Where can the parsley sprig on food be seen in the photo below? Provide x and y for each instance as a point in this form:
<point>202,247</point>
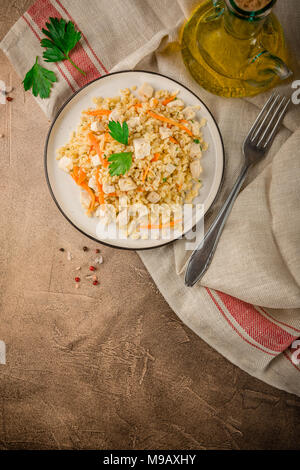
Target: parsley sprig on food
<point>118,132</point>
<point>63,37</point>
<point>40,80</point>
<point>120,163</point>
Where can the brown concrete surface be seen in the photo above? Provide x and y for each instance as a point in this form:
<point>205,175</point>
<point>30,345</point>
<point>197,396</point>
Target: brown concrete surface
<point>110,366</point>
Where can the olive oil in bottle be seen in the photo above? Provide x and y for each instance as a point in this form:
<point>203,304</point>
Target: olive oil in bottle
<point>234,52</point>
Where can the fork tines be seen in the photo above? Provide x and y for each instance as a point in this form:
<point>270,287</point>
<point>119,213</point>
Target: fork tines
<point>268,121</point>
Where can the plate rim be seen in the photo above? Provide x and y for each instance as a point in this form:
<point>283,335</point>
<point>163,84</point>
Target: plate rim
<point>46,152</point>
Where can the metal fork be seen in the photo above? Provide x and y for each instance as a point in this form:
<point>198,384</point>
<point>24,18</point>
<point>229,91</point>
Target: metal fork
<point>255,147</point>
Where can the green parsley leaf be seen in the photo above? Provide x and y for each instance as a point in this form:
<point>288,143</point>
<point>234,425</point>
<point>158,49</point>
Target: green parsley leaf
<point>164,180</point>
<point>120,163</point>
<point>118,132</point>
<point>197,141</point>
<point>63,37</point>
<point>40,80</point>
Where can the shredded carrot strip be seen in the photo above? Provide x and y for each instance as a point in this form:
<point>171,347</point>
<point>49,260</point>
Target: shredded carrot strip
<point>155,102</point>
<point>171,224</point>
<point>94,142</point>
<point>99,112</point>
<point>140,189</point>
<point>137,105</point>
<point>156,157</point>
<point>170,121</point>
<point>179,186</point>
<point>146,173</point>
<point>184,120</point>
<point>81,176</point>
<point>101,195</point>
<point>174,140</point>
<point>78,175</point>
<point>168,100</point>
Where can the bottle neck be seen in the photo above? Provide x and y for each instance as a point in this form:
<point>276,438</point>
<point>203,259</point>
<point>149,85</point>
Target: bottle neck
<point>243,25</point>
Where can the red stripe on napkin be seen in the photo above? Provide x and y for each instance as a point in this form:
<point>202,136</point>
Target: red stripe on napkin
<point>40,12</point>
<point>259,328</point>
<point>280,322</point>
<point>84,37</point>
<point>59,68</point>
<point>232,325</point>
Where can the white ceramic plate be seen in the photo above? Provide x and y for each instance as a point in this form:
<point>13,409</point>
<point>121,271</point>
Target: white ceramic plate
<point>66,194</point>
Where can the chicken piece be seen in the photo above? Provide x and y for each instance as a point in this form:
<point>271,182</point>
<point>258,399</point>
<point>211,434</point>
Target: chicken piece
<point>153,197</point>
<point>133,122</point>
<point>138,211</point>
<point>196,169</point>
<point>195,150</point>
<point>95,160</point>
<point>169,169</point>
<point>165,213</point>
<point>196,128</point>
<point>65,164</point>
<point>123,218</point>
<point>92,183</point>
<point>189,113</point>
<point>85,199</point>
<point>142,148</point>
<point>165,133</point>
<point>116,116</point>
<point>127,184</point>
<point>123,201</point>
<point>146,90</point>
<point>97,126</point>
<point>154,213</point>
<point>108,188</point>
<point>175,104</point>
<point>107,213</point>
<point>131,227</point>
<point>156,182</point>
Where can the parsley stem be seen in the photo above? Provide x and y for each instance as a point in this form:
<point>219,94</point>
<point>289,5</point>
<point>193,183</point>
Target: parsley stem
<point>76,67</point>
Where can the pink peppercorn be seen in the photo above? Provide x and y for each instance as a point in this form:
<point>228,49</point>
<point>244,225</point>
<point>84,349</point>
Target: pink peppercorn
<point>9,98</point>
<point>95,283</point>
<point>77,279</point>
<point>92,268</point>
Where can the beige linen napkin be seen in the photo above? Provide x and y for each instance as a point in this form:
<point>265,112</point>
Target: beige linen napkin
<point>248,304</point>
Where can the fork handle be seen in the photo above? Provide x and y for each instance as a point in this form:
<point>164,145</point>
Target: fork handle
<point>203,254</point>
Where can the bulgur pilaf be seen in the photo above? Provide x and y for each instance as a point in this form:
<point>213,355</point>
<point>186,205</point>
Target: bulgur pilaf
<point>137,151</point>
